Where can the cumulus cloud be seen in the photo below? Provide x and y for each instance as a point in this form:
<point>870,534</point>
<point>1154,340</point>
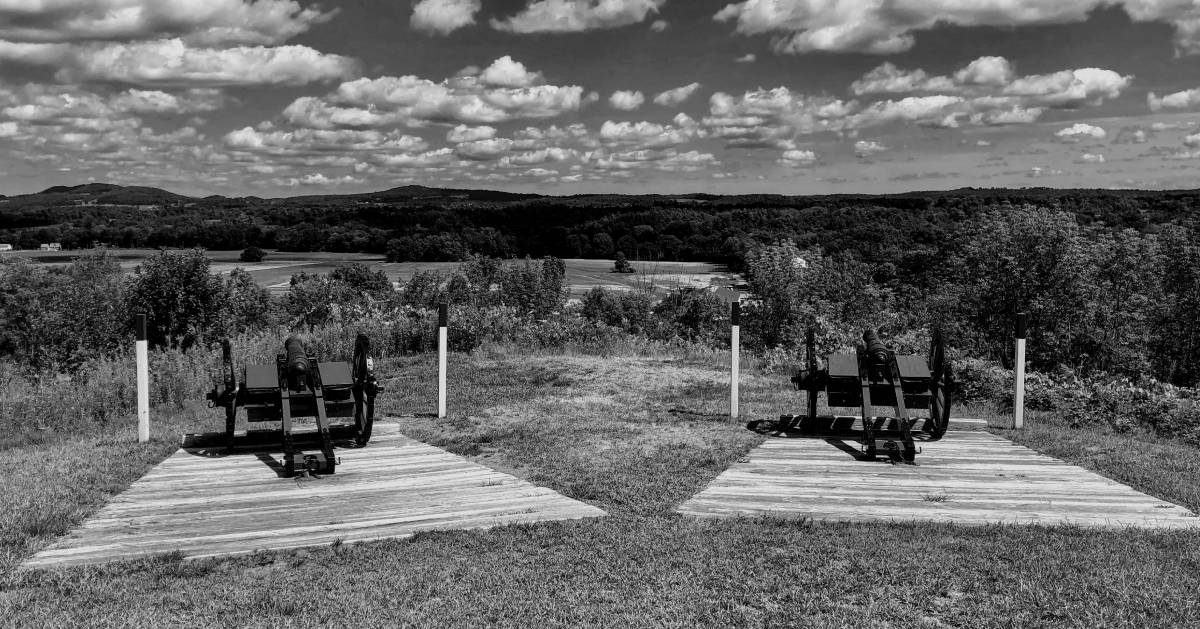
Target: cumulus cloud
<point>626,100</point>
<point>1185,99</point>
<point>1192,140</point>
<point>995,71</point>
<point>499,93</point>
<point>676,96</point>
<point>668,160</point>
<point>865,148</point>
<point>305,141</point>
<point>174,62</point>
<point>746,58</point>
<point>659,26</point>
<point>889,79</point>
<point>1070,88</point>
<point>796,157</point>
<point>887,27</point>
<point>484,150</point>
<point>425,160</point>
<point>1091,158</point>
<point>533,158</point>
<point>1080,131</point>
<point>573,16</point>
<point>504,72</point>
<point>206,22</point>
<point>647,134</point>
<point>317,179</point>
<point>443,16</point>
<point>160,102</point>
<point>105,129</point>
<point>994,76</point>
<point>463,133</point>
<point>929,110</point>
<point>984,92</point>
<point>988,92</point>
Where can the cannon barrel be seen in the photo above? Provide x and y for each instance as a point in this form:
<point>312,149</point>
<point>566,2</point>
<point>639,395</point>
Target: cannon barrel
<point>298,365</point>
<point>876,350</point>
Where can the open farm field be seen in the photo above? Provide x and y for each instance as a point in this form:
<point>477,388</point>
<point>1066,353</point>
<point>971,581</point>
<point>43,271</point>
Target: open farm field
<point>636,435</point>
<point>277,268</point>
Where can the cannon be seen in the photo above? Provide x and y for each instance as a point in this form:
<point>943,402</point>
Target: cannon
<point>872,377</point>
<point>297,385</point>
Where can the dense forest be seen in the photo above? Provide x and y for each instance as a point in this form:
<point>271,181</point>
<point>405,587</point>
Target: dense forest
<point>425,224</point>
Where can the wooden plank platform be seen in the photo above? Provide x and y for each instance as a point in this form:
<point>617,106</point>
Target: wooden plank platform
<point>204,505</point>
<point>968,477</point>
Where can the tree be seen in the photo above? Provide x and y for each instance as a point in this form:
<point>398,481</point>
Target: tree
<point>182,301</point>
<point>252,254</point>
<point>622,265</point>
<point>360,278</point>
<point>1175,340</point>
<point>248,305</point>
<point>798,289</point>
<point>1027,259</point>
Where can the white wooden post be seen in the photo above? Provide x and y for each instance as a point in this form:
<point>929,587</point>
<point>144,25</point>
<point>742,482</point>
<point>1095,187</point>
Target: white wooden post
<point>734,345</point>
<point>1022,326</point>
<point>442,360</point>
<point>143,379</point>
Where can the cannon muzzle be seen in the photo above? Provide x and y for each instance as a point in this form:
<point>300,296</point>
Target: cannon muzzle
<point>876,350</point>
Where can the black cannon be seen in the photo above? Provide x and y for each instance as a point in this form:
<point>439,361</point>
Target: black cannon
<point>296,386</point>
<point>871,377</point>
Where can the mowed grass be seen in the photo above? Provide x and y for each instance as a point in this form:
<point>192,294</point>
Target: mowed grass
<point>634,435</point>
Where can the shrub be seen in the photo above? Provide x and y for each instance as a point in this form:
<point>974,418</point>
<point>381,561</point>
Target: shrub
<point>981,381</point>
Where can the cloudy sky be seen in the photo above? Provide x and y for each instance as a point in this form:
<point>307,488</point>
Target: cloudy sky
<point>288,97</point>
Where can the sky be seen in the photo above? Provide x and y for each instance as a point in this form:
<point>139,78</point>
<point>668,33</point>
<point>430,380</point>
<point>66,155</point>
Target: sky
<point>288,97</point>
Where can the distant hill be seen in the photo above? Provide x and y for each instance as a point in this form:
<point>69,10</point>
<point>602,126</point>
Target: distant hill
<point>107,193</point>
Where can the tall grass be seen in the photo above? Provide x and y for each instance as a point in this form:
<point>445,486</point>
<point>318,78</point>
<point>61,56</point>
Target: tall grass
<point>39,406</point>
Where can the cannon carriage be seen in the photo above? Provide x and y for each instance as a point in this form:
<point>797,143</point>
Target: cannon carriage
<point>297,386</point>
<point>916,387</point>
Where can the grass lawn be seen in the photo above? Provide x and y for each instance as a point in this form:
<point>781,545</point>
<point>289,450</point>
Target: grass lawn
<point>634,435</point>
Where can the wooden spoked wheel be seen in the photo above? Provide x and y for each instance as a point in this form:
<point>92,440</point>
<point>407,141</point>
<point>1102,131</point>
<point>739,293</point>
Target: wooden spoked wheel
<point>364,413</point>
<point>940,389</point>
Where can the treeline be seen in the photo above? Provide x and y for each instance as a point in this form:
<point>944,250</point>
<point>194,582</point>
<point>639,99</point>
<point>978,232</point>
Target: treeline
<point>908,231</point>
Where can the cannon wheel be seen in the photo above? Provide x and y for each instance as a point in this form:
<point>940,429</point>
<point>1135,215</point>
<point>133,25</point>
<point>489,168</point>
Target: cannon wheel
<point>364,413</point>
<point>940,388</point>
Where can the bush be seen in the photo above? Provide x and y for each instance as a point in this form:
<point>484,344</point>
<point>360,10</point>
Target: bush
<point>981,381</point>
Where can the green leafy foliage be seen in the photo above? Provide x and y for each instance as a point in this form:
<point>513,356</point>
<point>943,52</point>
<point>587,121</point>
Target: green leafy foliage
<point>621,264</point>
<point>182,301</point>
<point>796,290</point>
<point>252,254</point>
<point>61,316</point>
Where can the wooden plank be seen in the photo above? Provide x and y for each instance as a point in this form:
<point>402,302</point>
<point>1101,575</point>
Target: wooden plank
<point>204,503</point>
<point>969,477</point>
